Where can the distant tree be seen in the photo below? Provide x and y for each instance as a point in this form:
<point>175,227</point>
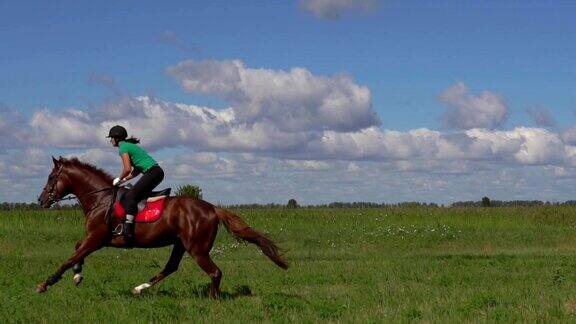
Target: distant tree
<point>292,204</point>
<point>189,190</point>
<point>486,202</point>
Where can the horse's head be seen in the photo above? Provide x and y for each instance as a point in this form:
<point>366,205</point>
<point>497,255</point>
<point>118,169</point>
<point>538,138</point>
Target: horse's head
<point>57,186</point>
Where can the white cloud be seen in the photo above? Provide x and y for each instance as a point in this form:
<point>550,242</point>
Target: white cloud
<point>527,145</point>
<point>157,123</point>
<point>264,179</point>
<point>305,165</point>
<point>25,164</point>
<point>333,9</point>
<point>465,111</point>
<point>201,165</point>
<point>287,133</point>
<point>106,158</point>
<point>66,130</point>
<point>161,124</point>
<point>516,164</point>
<point>522,145</point>
<point>294,100</point>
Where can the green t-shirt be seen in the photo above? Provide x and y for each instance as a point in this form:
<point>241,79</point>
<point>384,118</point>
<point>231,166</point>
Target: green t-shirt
<point>139,158</point>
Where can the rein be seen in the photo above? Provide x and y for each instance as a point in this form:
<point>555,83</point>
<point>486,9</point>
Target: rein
<point>107,216</point>
<point>82,195</point>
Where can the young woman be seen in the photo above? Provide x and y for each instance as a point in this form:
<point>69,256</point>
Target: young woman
<point>134,161</point>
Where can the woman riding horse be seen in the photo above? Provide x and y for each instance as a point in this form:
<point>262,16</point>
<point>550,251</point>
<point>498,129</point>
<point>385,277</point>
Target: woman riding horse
<point>134,161</point>
<point>188,224</point>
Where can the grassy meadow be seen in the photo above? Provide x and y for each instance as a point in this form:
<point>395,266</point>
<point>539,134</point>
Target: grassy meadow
<point>347,265</point>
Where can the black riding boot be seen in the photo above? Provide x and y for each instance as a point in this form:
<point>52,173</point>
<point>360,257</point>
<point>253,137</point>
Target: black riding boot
<point>129,229</point>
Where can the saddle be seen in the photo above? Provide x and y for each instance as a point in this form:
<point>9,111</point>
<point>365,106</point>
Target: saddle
<point>149,209</point>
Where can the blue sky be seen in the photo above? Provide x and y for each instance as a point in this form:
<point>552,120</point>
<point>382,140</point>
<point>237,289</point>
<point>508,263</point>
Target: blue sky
<point>69,55</point>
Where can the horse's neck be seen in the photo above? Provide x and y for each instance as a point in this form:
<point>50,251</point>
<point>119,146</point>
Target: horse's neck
<point>84,185</point>
<point>85,182</point>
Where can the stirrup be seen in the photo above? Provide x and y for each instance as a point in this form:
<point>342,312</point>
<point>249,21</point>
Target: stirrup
<point>119,230</point>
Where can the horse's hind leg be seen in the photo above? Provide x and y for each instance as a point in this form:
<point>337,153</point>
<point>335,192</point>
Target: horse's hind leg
<point>77,269</point>
<point>201,253</point>
<point>171,266</point>
<point>206,263</point>
<point>198,244</point>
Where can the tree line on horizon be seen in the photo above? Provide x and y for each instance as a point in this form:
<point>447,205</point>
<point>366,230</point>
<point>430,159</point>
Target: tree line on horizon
<point>359,204</point>
<point>194,191</point>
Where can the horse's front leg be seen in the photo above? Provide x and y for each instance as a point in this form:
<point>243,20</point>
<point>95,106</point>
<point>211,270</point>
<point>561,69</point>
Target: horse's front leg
<point>77,268</point>
<point>88,245</point>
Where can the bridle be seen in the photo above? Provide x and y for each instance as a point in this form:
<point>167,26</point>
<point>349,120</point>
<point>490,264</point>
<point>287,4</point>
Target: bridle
<point>51,194</point>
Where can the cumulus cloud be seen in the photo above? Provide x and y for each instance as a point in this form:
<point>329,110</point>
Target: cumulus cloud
<point>294,100</point>
<point>306,165</point>
<point>312,181</point>
<point>157,123</point>
<point>528,145</point>
<point>333,9</point>
<point>203,165</point>
<point>466,111</point>
<point>25,164</point>
<point>373,159</point>
<point>286,130</point>
<point>70,129</point>
<point>162,124</point>
<point>106,158</point>
<point>520,146</point>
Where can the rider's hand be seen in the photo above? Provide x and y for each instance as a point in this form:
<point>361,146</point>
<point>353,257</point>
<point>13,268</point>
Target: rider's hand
<point>116,182</point>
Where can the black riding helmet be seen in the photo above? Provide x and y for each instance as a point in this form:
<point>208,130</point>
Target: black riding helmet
<point>118,132</point>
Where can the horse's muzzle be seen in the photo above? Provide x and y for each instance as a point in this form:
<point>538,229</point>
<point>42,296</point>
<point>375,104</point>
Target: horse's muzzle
<point>45,202</point>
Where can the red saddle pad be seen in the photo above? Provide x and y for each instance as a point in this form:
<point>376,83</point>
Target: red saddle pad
<point>151,212</point>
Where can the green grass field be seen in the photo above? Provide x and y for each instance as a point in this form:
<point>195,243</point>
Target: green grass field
<point>347,265</point>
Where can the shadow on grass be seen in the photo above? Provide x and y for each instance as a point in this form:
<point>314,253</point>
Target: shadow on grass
<point>201,291</point>
<point>239,291</point>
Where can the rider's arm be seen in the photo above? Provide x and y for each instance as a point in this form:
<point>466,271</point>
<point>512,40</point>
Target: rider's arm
<point>133,174</point>
<point>126,166</point>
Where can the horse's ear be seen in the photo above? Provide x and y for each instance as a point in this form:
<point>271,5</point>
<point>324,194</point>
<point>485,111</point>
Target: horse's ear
<point>54,160</point>
<point>61,159</point>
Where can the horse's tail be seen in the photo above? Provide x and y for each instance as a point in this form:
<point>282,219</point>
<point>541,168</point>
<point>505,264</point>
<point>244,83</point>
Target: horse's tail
<point>238,227</point>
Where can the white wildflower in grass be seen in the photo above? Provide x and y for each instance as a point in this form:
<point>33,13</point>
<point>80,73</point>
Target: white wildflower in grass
<point>440,231</point>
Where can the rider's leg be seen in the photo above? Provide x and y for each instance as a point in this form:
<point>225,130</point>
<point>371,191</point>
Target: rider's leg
<point>139,191</point>
<point>130,204</point>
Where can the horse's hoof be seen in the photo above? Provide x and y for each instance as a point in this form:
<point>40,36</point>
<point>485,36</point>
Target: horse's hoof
<point>214,295</point>
<point>41,288</point>
<point>77,279</point>
<point>138,290</point>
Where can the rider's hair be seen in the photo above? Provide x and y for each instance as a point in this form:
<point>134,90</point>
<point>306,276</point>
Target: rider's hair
<point>133,140</point>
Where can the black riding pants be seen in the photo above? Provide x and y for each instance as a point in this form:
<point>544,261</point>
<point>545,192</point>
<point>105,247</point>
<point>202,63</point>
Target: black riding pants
<point>149,180</point>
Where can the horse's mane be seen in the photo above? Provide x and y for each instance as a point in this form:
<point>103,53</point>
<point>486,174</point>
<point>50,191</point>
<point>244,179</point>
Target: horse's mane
<point>87,166</point>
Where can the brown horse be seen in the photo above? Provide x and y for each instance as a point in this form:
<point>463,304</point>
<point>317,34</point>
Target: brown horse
<point>188,224</point>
